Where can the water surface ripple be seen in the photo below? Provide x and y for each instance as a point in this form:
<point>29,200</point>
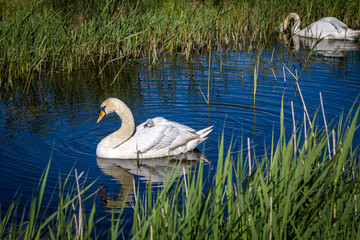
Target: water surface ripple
<point>57,120</point>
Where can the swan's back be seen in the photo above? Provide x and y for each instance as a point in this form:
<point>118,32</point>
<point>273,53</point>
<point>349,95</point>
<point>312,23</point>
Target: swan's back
<point>334,21</point>
<point>329,28</point>
<point>160,137</point>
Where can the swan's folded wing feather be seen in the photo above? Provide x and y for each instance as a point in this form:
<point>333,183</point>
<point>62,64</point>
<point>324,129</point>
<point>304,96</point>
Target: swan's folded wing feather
<point>166,137</point>
<point>179,126</point>
<point>333,22</point>
<point>148,138</point>
<point>338,25</point>
<point>179,136</point>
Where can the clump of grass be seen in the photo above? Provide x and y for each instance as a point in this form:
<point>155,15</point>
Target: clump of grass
<point>66,222</point>
<point>51,36</point>
<point>297,190</point>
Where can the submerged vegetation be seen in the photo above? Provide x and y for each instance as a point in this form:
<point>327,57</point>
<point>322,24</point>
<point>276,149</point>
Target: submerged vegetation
<point>306,186</point>
<point>48,36</point>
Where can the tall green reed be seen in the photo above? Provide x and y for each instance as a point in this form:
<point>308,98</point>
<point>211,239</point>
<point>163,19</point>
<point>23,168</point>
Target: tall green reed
<point>37,222</point>
<point>290,194</point>
<point>39,37</point>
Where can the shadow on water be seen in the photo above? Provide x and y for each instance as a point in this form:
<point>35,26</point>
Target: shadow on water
<point>152,171</point>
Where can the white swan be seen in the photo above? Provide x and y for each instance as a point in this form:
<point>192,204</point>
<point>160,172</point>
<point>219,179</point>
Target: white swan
<point>327,28</point>
<point>154,138</point>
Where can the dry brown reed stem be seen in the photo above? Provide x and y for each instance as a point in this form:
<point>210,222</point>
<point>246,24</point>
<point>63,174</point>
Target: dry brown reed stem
<point>296,76</point>
<point>122,66</point>
<point>274,74</point>
<point>151,232</point>
<point>326,127</point>
<point>284,74</point>
<point>305,109</point>
<point>249,155</point>
<point>206,100</point>
<point>294,126</point>
<point>186,188</point>
<point>163,212</point>
<point>355,205</point>
<point>79,226</point>
<point>134,190</point>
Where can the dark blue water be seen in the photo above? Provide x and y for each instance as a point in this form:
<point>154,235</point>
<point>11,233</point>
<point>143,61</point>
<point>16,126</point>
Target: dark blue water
<point>57,119</point>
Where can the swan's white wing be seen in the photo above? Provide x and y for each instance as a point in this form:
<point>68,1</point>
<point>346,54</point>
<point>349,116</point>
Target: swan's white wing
<point>319,29</point>
<point>180,127</point>
<point>164,135</point>
<point>335,23</point>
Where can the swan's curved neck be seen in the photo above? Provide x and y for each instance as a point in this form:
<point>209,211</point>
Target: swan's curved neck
<point>285,25</point>
<point>125,131</point>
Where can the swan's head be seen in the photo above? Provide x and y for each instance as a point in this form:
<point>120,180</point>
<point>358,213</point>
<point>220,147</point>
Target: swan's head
<point>109,106</point>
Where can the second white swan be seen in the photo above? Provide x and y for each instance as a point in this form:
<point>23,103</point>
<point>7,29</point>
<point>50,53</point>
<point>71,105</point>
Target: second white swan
<point>157,137</point>
<point>327,28</point>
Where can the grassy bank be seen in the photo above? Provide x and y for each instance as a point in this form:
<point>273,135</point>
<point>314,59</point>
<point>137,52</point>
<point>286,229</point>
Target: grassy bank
<point>306,186</point>
<point>49,36</point>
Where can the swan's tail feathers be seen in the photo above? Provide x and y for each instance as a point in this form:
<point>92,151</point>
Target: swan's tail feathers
<point>352,35</point>
<point>204,132</point>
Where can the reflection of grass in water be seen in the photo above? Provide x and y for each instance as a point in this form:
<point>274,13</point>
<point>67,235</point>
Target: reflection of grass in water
<point>299,190</point>
<point>50,36</point>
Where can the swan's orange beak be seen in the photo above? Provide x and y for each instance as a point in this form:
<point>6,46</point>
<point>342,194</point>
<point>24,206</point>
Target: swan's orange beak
<point>101,116</point>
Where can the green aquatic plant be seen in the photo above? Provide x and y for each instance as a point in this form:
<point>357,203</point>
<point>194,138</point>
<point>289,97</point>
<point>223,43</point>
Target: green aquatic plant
<point>37,222</point>
<point>46,37</point>
<point>295,191</point>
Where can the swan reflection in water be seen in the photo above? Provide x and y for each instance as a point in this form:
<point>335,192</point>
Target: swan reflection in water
<point>153,171</point>
<point>325,47</point>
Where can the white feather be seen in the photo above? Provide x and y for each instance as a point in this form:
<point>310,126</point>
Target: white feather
<point>327,28</point>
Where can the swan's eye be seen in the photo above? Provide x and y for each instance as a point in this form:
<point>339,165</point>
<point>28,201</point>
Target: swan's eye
<point>102,109</point>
